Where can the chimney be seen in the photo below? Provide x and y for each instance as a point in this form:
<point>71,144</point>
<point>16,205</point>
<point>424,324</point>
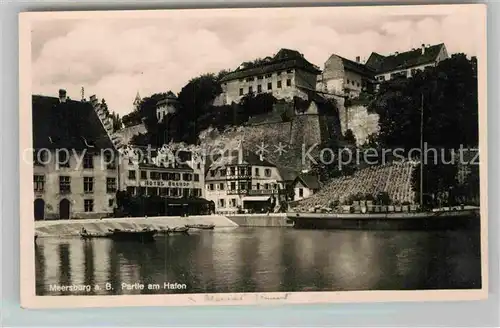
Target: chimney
<point>62,95</point>
<point>358,59</point>
<point>423,49</point>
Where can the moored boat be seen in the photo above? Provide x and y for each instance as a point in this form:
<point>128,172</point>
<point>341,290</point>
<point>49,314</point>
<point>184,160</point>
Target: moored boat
<point>201,226</point>
<point>450,219</point>
<point>87,235</point>
<point>179,230</point>
<point>141,236</point>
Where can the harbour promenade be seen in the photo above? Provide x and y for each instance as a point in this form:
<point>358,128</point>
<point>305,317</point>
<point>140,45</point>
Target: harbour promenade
<point>73,227</point>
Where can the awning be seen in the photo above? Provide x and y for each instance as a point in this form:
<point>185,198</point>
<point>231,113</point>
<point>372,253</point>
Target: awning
<point>256,198</point>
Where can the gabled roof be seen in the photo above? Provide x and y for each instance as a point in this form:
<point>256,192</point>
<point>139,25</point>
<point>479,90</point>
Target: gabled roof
<point>357,67</point>
<point>384,64</point>
<point>309,180</point>
<point>283,60</point>
<point>288,174</point>
<point>70,125</point>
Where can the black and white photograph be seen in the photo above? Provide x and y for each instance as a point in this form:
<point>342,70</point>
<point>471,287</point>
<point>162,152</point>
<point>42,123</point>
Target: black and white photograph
<point>253,155</point>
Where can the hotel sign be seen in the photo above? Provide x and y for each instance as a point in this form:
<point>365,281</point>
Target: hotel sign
<point>161,183</point>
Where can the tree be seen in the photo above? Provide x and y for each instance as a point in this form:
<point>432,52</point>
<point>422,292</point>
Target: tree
<point>448,95</point>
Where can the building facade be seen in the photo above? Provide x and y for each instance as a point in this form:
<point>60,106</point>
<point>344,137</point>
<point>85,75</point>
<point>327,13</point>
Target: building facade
<point>76,171</point>
<point>305,185</point>
<point>243,182</point>
<point>150,173</point>
<point>285,76</point>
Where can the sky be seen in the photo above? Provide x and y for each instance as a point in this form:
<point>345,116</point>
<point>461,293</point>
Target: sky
<point>115,55</point>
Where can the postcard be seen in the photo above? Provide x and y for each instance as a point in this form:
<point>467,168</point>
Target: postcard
<point>253,156</point>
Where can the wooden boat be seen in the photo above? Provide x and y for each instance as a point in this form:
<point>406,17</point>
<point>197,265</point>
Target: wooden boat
<point>87,235</point>
<point>143,236</point>
<point>179,230</point>
<point>201,226</point>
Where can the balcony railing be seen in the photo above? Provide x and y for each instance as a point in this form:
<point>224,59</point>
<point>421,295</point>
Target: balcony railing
<point>237,192</point>
<point>259,192</point>
<point>238,176</point>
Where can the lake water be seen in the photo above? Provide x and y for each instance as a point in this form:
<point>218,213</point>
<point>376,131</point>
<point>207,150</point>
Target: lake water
<point>261,260</point>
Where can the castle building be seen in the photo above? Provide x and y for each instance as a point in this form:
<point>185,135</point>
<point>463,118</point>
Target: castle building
<point>75,164</point>
<point>242,181</point>
<point>167,105</point>
<point>285,75</point>
<point>406,64</point>
<point>345,78</point>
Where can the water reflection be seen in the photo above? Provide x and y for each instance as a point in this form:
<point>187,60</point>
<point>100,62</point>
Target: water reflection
<point>262,259</point>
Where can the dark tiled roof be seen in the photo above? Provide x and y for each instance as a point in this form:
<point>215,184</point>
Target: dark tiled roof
<point>358,67</point>
<point>283,60</point>
<point>383,64</point>
<point>69,125</point>
<point>309,180</point>
<point>288,174</point>
<point>170,96</point>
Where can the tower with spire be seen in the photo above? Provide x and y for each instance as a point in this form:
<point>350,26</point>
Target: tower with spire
<point>137,101</point>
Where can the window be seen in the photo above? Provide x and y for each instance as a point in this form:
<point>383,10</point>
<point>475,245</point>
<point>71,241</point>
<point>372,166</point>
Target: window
<point>267,172</point>
<point>187,177</point>
<point>185,192</point>
<point>269,86</point>
<point>257,172</point>
<point>88,185</point>
<point>279,85</point>
<point>221,186</point>
<point>63,159</point>
<point>301,192</point>
<point>269,75</point>
<point>222,203</point>
<point>144,175</point>
<point>348,81</point>
<point>39,158</point>
<point>88,161</point>
<point>196,177</point>
<point>131,190</point>
<point>242,171</point>
<point>64,184</point>
<point>223,172</point>
<point>289,71</point>
<point>260,77</point>
<point>250,89</point>
<point>131,175</point>
<point>288,82</point>
<point>111,202</point>
<point>212,173</point>
<point>358,84</point>
<point>177,177</point>
<point>233,186</point>
<point>241,91</point>
<point>233,202</point>
<point>142,190</point>
<point>154,175</point>
<point>233,170</point>
<point>279,73</point>
<point>211,187</point>
<point>259,88</point>
<point>164,176</point>
<point>266,186</point>
<point>352,82</point>
<point>88,205</point>
<point>163,192</point>
<point>243,185</point>
<point>110,185</point>
<point>111,165</point>
<point>257,186</point>
<point>198,166</point>
<point>39,182</point>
